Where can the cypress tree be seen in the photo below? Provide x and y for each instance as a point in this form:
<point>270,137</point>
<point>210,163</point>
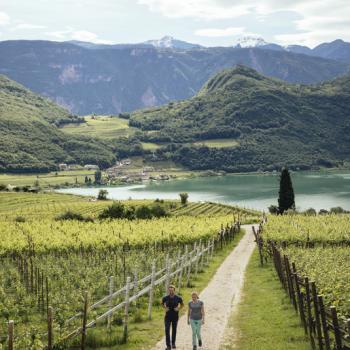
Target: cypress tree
<point>286,198</point>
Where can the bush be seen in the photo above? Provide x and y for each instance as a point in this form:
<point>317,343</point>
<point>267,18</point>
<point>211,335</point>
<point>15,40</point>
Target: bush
<point>337,210</point>
<point>273,209</point>
<point>310,212</point>
<point>102,195</point>
<point>3,187</point>
<point>20,219</point>
<point>115,211</point>
<point>143,212</point>
<point>184,198</point>
<point>70,215</point>
<point>323,212</point>
<point>158,211</point>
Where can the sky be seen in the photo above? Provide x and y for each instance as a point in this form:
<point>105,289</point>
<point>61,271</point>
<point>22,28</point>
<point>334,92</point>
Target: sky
<point>206,22</point>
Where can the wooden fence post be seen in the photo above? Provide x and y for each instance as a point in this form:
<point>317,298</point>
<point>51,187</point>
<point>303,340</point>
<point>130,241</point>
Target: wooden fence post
<point>110,301</point>
<point>196,251</point>
<point>317,315</point>
<point>291,284</point>
<point>309,312</point>
<point>49,328</point>
<point>136,285</point>
<point>166,284</point>
<point>300,301</point>
<point>189,268</point>
<point>167,280</point>
<point>208,253</point>
<point>202,255</point>
<point>182,264</point>
<point>10,334</point>
<point>212,248</point>
<point>324,322</point>
<point>126,310</point>
<point>85,312</point>
<point>337,333</point>
<point>150,300</point>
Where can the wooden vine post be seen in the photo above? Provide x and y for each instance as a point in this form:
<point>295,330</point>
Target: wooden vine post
<point>151,291</point>
<point>317,315</point>
<point>49,328</point>
<point>110,301</point>
<point>85,313</point>
<point>126,310</point>
<point>10,334</point>
<point>324,322</point>
<point>337,332</point>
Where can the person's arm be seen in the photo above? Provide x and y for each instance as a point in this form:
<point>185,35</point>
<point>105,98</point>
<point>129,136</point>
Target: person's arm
<point>203,314</point>
<point>164,304</point>
<point>180,305</point>
<point>188,314</point>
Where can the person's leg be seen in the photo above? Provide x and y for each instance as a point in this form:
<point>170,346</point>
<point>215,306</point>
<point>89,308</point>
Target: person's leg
<point>173,333</point>
<point>194,332</point>
<point>167,332</point>
<point>199,335</point>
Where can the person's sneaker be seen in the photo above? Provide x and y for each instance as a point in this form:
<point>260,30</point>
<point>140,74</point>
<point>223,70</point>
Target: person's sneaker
<point>200,342</point>
<point>194,347</point>
<point>168,348</point>
<point>173,346</point>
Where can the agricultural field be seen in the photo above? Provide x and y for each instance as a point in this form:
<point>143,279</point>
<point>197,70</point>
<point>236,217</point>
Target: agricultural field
<point>218,143</point>
<point>45,261</point>
<point>108,127</point>
<point>47,180</point>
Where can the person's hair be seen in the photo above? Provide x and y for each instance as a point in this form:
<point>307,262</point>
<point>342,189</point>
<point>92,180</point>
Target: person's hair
<point>172,286</point>
<point>195,294</point>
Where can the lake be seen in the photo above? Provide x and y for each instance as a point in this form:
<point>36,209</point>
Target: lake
<point>313,189</point>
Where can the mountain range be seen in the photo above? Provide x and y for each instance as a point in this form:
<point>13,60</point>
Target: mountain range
<point>108,79</point>
<point>273,123</point>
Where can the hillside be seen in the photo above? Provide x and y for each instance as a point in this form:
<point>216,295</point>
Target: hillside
<point>30,139</point>
<point>114,79</point>
<point>274,124</point>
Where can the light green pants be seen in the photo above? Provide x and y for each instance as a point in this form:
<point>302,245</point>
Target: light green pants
<point>196,331</point>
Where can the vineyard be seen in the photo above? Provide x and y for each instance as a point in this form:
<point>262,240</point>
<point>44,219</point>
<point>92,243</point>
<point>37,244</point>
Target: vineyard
<point>48,264</point>
<point>49,205</point>
<point>312,258</point>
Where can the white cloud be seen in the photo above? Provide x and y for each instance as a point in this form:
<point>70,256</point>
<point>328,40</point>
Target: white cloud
<point>80,35</point>
<point>4,19</point>
<point>217,32</point>
<point>21,26</point>
<point>318,20</point>
<point>84,35</point>
<point>204,9</point>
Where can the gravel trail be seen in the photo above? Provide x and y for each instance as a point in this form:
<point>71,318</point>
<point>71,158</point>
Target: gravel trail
<point>219,297</point>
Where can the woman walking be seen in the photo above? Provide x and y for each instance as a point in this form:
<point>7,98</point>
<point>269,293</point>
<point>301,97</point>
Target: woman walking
<point>195,318</point>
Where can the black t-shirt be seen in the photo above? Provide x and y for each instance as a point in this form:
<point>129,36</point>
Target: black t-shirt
<point>172,303</point>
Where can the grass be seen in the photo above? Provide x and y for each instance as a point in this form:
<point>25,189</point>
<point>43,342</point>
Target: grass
<point>265,319</point>
<point>48,179</point>
<point>218,143</point>
<point>149,146</point>
<point>143,335</point>
<point>101,126</point>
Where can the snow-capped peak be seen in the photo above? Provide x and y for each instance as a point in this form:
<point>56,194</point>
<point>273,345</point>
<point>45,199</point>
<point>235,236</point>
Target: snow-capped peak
<point>170,42</point>
<point>250,41</point>
<point>166,41</point>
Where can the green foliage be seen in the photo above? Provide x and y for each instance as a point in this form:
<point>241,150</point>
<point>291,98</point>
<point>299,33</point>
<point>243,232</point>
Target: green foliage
<point>30,140</point>
<point>275,124</point>
<point>115,211</point>
<point>143,212</point>
<point>102,195</point>
<point>183,197</point>
<point>286,199</point>
<point>70,215</point>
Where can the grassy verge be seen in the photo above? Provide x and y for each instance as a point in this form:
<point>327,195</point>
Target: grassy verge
<point>265,319</point>
<point>144,334</point>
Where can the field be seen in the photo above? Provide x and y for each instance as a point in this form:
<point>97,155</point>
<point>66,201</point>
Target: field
<point>316,249</point>
<point>52,179</point>
<point>101,126</point>
<point>49,262</point>
<point>218,143</point>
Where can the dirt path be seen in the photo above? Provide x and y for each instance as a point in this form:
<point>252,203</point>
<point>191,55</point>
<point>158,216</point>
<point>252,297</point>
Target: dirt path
<point>219,296</point>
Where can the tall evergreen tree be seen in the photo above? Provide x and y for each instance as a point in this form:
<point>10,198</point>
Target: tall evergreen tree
<point>286,198</point>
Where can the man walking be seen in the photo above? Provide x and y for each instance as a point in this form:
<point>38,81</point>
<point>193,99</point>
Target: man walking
<point>172,303</point>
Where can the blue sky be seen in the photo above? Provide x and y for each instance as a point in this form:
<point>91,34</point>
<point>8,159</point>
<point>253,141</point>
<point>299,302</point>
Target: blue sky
<point>207,22</point>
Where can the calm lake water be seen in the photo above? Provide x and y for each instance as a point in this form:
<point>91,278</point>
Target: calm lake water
<point>313,189</point>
